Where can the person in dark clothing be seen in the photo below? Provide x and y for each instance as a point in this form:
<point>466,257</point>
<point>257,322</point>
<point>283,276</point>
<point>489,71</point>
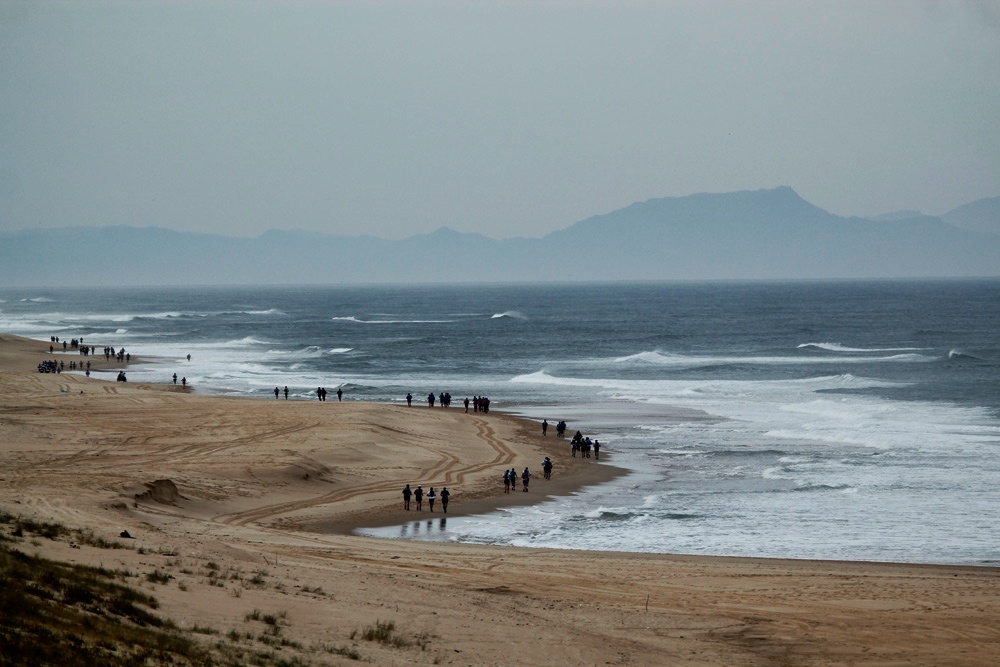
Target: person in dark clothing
<point>445,494</point>
<point>406,497</point>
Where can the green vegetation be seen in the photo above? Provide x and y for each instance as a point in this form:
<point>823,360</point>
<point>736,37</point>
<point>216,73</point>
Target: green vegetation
<point>384,633</point>
<point>57,613</point>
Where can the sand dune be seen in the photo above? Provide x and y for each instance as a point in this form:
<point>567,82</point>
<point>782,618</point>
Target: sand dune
<point>267,491</point>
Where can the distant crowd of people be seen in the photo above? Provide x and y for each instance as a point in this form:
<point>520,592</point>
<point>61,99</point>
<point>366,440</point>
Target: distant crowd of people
<point>478,403</point>
<point>110,354</point>
<point>88,350</point>
<point>51,366</point>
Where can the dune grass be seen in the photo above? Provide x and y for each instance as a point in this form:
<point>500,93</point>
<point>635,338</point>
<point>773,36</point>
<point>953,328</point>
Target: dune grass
<point>70,615</point>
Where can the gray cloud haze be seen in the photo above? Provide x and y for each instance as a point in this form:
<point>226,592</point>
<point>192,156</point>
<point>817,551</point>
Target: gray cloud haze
<point>509,119</point>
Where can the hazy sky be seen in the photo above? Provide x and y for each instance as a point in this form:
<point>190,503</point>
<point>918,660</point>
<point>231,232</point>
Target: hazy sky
<point>507,118</point>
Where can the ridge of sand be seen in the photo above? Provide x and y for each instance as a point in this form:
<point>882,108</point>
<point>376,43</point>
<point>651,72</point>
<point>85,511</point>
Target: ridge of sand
<point>266,491</point>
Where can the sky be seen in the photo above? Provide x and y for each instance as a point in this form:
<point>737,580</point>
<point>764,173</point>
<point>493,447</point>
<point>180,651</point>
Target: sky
<point>503,118</point>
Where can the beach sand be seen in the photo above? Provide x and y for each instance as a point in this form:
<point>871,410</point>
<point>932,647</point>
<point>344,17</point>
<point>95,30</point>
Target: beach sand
<point>248,505</point>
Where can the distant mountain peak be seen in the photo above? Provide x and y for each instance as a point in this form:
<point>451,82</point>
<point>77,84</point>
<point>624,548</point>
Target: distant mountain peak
<point>982,215</point>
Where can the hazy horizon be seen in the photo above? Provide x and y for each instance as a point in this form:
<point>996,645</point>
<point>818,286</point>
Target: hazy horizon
<point>507,119</point>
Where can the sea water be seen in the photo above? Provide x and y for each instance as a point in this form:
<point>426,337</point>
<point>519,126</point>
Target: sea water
<point>845,420</point>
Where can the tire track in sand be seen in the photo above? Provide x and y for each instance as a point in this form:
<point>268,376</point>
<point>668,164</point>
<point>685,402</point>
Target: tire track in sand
<point>449,468</point>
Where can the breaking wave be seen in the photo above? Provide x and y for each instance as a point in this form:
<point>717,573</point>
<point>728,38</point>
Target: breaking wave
<point>351,318</point>
<point>837,347</point>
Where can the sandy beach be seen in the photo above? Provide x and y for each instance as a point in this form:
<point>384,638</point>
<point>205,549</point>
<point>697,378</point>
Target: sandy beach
<point>268,491</point>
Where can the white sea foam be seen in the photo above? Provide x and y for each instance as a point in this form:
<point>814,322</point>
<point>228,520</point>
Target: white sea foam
<point>837,347</point>
<point>244,342</point>
<point>310,352</point>
<point>512,314</point>
<point>351,318</point>
<point>692,361</point>
<point>269,311</point>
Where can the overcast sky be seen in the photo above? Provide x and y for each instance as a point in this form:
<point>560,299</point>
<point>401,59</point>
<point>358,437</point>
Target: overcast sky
<point>506,118</point>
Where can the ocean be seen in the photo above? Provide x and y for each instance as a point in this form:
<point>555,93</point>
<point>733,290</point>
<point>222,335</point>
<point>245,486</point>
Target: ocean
<point>822,420</point>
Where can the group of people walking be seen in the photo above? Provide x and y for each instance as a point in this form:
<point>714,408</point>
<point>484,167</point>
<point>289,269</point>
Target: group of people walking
<point>320,393</point>
<point>579,443</point>
<point>510,478</point>
<point>478,403</point>
<point>85,350</point>
<point>582,444</point>
<point>418,496</point>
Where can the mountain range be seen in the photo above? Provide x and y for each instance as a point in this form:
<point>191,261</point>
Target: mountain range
<point>769,234</point>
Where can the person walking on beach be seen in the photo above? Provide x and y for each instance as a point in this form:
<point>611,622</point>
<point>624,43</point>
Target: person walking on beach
<point>430,400</point>
<point>525,478</point>
<point>506,481</point>
<point>286,392</point>
<point>561,429</point>
<point>409,399</point>
<point>419,496</point>
<point>175,378</point>
<point>406,497</point>
<point>340,394</point>
<point>597,449</point>
<point>430,498</point>
<point>545,426</point>
<point>547,468</point>
<point>445,493</point>
<point>276,392</point>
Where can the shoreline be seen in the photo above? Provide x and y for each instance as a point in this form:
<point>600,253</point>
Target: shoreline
<point>18,354</point>
<point>483,502</point>
<point>222,496</point>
